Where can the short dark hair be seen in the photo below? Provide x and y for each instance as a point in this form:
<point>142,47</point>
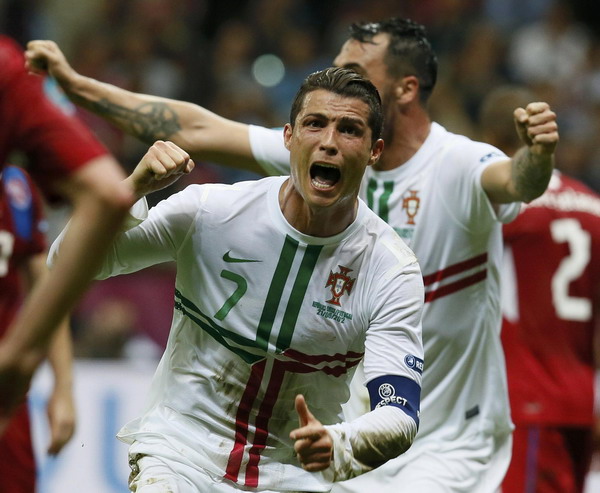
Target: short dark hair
<point>409,51</point>
<point>347,83</point>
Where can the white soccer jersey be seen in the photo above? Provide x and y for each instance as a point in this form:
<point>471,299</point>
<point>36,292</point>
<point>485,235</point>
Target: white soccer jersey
<point>436,203</point>
<point>263,313</point>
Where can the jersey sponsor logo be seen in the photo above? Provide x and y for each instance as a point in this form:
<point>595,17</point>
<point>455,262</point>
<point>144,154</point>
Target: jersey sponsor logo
<point>339,283</point>
<point>414,363</point>
<point>411,204</point>
<point>228,258</point>
<point>490,155</point>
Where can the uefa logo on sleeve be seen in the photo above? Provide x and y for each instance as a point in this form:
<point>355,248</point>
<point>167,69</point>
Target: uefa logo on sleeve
<point>386,391</point>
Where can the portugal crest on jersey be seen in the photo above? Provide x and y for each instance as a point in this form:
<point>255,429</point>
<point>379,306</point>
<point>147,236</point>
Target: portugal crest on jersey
<point>411,205</point>
<point>339,284</point>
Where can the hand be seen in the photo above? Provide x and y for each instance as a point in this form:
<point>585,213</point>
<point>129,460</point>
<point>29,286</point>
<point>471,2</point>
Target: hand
<point>45,56</point>
<point>314,446</point>
<point>537,127</point>
<point>161,166</point>
<point>61,416</point>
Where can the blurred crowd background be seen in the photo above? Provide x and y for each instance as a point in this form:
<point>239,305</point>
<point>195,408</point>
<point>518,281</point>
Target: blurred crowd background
<point>245,59</point>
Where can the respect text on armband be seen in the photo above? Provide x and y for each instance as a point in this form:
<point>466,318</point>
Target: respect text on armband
<point>387,393</point>
<point>396,391</point>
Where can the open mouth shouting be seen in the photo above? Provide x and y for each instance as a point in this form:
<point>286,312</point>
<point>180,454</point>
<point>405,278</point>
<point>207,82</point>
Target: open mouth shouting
<point>324,176</point>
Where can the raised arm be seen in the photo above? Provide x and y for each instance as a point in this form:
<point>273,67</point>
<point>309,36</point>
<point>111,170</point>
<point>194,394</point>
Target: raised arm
<point>203,134</point>
<point>526,176</point>
<point>162,165</point>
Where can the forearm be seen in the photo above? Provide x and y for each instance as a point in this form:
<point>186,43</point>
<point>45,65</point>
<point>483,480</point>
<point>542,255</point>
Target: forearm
<point>146,117</point>
<point>60,354</point>
<point>197,130</point>
<point>531,172</point>
<point>100,202</point>
<point>60,357</point>
<point>369,441</point>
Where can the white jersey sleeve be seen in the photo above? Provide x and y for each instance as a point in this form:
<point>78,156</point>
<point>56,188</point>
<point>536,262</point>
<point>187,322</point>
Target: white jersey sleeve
<point>153,236</point>
<point>269,150</point>
<point>396,308</point>
<point>157,238</point>
<point>470,204</point>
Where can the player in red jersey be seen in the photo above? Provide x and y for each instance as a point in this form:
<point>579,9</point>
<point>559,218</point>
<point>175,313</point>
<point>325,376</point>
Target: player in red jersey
<point>66,161</point>
<point>551,284</point>
<point>22,262</point>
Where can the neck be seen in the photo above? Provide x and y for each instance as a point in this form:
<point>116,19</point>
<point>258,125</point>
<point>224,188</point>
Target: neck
<point>315,221</point>
<point>404,136</point>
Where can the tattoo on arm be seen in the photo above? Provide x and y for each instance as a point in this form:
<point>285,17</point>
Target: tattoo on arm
<point>531,173</point>
<point>149,122</point>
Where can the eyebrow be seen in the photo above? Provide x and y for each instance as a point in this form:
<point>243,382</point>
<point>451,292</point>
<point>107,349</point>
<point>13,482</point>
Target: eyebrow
<point>343,119</point>
<point>353,120</point>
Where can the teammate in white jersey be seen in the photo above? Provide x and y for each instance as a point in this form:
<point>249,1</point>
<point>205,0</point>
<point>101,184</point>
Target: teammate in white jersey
<point>443,193</point>
<point>283,286</point>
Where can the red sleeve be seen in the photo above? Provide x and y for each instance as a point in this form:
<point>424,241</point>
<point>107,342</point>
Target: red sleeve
<point>56,144</point>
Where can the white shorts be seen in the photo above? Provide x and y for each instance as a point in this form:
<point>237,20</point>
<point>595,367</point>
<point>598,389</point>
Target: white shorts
<point>150,474</point>
<point>468,469</point>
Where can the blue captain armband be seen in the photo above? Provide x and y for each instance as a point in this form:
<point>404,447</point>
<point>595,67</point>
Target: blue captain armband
<point>397,391</point>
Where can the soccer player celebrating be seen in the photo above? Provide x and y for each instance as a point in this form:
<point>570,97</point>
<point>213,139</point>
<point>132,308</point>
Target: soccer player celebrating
<point>283,286</point>
<point>445,194</point>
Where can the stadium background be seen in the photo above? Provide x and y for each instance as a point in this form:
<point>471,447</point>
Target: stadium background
<point>244,59</point>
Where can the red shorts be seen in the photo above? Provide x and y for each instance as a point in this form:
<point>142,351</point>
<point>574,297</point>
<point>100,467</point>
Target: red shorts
<point>549,460</point>
<point>17,461</point>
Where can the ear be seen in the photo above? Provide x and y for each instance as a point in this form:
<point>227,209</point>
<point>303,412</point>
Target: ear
<point>287,135</point>
<point>407,89</point>
<point>376,152</point>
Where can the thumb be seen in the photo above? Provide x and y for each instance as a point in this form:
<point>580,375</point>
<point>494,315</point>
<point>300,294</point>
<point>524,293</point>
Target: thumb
<point>521,118</point>
<point>520,115</point>
<point>304,415</point>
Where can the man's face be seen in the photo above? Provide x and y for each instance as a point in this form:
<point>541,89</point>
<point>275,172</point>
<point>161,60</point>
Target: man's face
<point>367,59</point>
<point>330,147</point>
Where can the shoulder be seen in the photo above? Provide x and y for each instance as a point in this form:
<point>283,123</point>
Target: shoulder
<point>222,198</point>
<point>389,249</point>
<point>567,182</point>
<point>10,50</point>
<point>241,188</point>
<point>268,149</point>
<point>463,149</point>
<point>11,59</point>
<point>569,195</point>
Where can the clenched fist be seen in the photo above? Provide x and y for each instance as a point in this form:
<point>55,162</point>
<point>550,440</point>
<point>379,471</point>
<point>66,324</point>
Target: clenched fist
<point>161,166</point>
